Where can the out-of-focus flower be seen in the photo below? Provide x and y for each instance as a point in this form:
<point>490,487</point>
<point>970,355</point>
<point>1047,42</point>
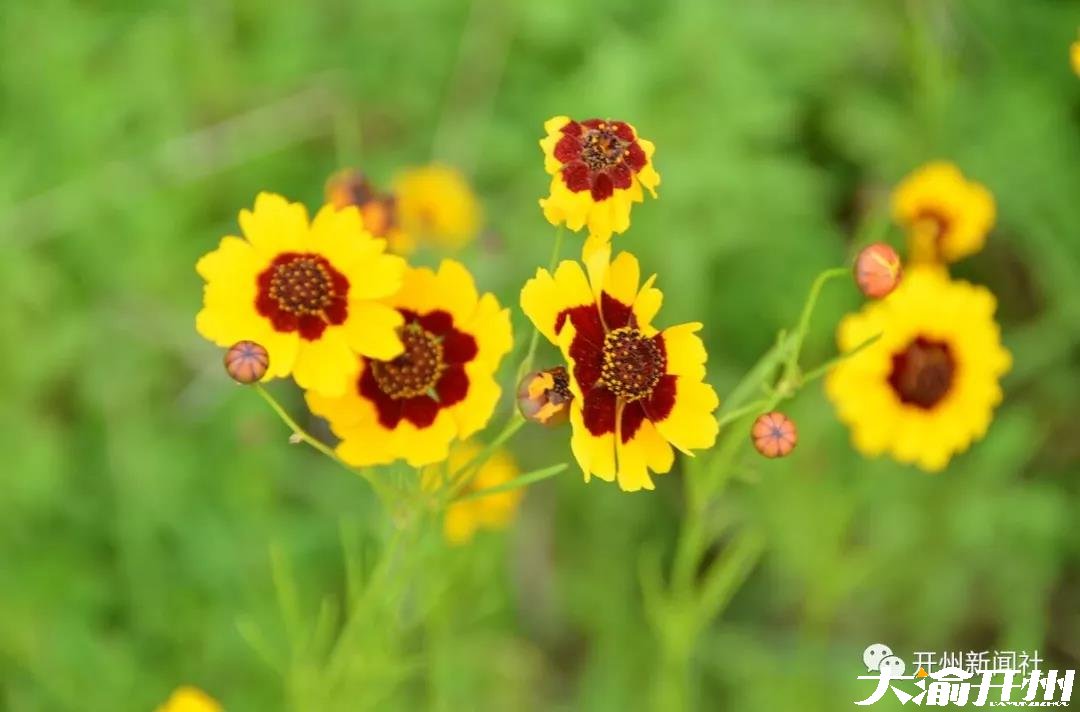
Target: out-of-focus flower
<point>495,511</point>
<point>306,292</point>
<point>598,170</point>
<point>544,397</point>
<point>246,362</point>
<point>774,434</point>
<point>928,387</point>
<point>637,391</point>
<point>190,699</point>
<point>947,217</point>
<point>1074,56</point>
<point>442,387</point>
<point>436,204</point>
<point>877,270</point>
<point>378,210</point>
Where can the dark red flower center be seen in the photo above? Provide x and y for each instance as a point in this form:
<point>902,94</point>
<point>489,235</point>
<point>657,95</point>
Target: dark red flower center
<point>599,156</point>
<point>302,292</point>
<point>427,377</point>
<point>619,369</point>
<point>416,371</point>
<point>922,373</point>
<point>632,364</point>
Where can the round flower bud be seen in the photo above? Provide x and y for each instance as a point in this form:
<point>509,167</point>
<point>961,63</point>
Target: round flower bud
<point>774,434</point>
<point>246,362</point>
<point>544,396</point>
<point>877,270</point>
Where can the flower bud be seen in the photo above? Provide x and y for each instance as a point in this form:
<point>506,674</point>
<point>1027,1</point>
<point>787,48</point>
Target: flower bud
<point>246,362</point>
<point>877,270</point>
<point>774,434</point>
<point>544,396</point>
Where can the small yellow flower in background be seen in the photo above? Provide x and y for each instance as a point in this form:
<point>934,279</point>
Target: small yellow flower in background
<point>1074,56</point>
<point>436,204</point>
<point>495,511</point>
<point>598,169</point>
<point>928,387</point>
<point>190,699</point>
<point>947,217</point>
<point>637,391</point>
<point>440,389</point>
<point>378,210</point>
<point>306,292</point>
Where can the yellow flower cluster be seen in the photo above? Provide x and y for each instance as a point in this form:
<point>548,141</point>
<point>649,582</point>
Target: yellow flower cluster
<point>401,360</point>
<point>927,388</point>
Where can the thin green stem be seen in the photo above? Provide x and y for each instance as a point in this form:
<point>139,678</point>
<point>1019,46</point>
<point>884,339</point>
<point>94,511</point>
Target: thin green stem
<point>459,479</point>
<point>804,319</point>
<point>313,441</point>
<point>824,368</point>
<point>516,483</point>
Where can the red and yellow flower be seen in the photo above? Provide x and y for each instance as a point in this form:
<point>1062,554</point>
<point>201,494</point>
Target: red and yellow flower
<point>441,388</point>
<point>947,217</point>
<point>307,292</point>
<point>637,391</point>
<point>598,170</point>
<point>928,387</point>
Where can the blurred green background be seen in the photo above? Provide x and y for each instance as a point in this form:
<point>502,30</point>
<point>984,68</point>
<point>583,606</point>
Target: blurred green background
<point>155,526</point>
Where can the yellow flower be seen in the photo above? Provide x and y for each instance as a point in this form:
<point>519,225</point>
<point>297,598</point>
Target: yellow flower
<point>190,699</point>
<point>598,169</point>
<point>927,389</point>
<point>1074,56</point>
<point>464,518</point>
<point>435,203</point>
<point>306,292</point>
<point>378,210</point>
<point>947,217</point>
<point>440,389</point>
<point>637,391</point>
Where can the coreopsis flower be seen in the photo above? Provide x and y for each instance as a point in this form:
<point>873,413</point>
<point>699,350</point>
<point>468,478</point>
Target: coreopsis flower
<point>947,217</point>
<point>464,518</point>
<point>1074,56</point>
<point>440,389</point>
<point>436,204</point>
<point>598,170</point>
<point>307,292</point>
<point>928,387</point>
<point>190,699</point>
<point>637,391</point>
<point>378,210</point>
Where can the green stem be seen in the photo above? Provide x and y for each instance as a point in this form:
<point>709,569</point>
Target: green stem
<point>792,365</point>
<point>516,483</point>
<point>824,368</point>
<point>313,441</point>
<point>461,478</point>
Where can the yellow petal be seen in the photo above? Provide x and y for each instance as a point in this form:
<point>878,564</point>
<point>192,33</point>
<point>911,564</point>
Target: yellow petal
<point>326,365</point>
<point>372,330</point>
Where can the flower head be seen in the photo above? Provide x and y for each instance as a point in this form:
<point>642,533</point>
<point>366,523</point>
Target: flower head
<point>464,518</point>
<point>189,699</point>
<point>928,387</point>
<point>1074,56</point>
<point>436,204</point>
<point>947,217</point>
<point>378,210</point>
<point>637,391</point>
<point>598,169</point>
<point>305,291</point>
<point>441,388</point>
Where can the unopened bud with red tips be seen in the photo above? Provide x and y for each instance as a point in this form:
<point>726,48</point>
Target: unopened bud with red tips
<point>246,362</point>
<point>544,396</point>
<point>774,434</point>
<point>877,270</point>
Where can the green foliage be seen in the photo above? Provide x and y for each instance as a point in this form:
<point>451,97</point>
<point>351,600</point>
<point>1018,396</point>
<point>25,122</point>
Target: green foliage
<point>157,529</point>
